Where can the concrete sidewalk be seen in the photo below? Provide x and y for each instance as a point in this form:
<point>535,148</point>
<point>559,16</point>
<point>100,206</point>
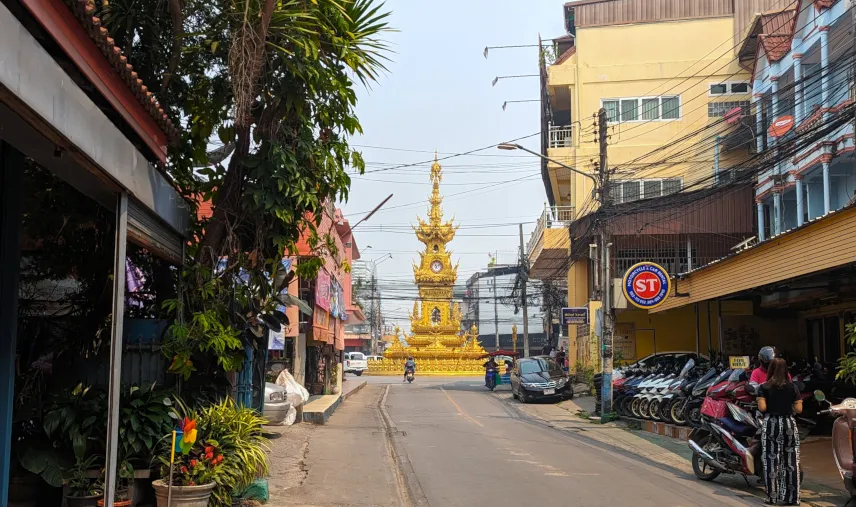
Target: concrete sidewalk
<point>572,415</point>
<point>319,408</point>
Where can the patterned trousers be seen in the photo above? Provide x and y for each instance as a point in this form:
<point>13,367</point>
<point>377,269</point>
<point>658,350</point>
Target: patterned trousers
<point>781,453</point>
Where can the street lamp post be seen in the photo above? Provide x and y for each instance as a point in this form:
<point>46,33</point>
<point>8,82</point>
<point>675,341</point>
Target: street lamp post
<point>601,186</point>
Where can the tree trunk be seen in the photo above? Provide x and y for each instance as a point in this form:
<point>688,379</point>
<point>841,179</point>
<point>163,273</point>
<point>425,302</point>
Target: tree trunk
<point>227,204</point>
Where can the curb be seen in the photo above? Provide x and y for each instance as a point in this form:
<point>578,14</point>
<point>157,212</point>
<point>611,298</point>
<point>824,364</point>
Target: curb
<point>321,417</point>
<point>354,390</point>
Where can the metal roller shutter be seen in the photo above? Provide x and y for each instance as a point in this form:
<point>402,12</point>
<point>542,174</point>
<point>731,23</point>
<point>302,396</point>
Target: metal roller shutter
<point>149,232</point>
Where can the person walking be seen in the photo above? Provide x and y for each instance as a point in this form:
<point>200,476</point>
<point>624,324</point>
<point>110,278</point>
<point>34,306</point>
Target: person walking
<point>779,399</point>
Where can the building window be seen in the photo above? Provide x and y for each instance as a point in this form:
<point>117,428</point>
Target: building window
<point>642,109</point>
<point>633,190</point>
<point>731,88</point>
<point>718,109</point>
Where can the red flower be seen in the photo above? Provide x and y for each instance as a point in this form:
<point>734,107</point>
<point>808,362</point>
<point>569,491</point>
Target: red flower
<point>209,449</point>
<point>191,483</point>
<point>193,463</point>
<point>209,455</point>
<point>220,458</point>
<point>184,469</point>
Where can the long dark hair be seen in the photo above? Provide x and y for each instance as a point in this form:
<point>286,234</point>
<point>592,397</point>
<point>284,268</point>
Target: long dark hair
<point>777,373</point>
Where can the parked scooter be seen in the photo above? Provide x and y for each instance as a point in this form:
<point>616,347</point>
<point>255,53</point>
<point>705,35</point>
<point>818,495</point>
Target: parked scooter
<point>843,437</point>
<point>728,444</point>
<point>699,393</point>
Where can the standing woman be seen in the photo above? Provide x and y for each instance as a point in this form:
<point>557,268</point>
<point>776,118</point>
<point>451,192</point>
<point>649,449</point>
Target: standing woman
<point>780,399</point>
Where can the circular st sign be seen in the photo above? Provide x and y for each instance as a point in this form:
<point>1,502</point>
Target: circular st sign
<point>646,285</point>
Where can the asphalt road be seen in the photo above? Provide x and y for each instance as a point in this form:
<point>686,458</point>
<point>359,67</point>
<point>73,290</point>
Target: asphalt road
<point>448,443</point>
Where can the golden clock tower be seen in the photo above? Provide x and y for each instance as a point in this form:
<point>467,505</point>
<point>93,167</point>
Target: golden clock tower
<point>436,342</point>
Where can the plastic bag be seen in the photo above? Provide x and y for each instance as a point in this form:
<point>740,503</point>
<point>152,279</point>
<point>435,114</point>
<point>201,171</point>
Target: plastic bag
<point>290,416</point>
<point>292,387</point>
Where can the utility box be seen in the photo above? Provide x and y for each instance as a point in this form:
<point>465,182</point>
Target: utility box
<point>619,302</point>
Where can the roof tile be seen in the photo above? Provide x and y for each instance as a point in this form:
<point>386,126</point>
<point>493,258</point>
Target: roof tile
<point>83,9</point>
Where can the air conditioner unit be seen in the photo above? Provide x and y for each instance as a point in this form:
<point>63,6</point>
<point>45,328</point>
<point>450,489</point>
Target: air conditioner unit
<point>619,301</point>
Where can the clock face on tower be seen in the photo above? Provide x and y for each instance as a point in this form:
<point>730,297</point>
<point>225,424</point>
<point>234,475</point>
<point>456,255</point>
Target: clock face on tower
<point>436,266</point>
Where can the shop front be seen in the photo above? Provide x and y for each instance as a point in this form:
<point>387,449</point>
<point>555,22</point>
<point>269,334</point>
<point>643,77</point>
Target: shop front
<point>90,232</point>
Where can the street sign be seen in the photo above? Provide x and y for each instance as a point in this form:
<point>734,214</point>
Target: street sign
<point>781,126</point>
<point>577,315</point>
<point>738,362</point>
<point>646,285</point>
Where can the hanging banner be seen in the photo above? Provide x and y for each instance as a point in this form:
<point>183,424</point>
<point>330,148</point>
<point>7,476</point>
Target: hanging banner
<point>322,290</point>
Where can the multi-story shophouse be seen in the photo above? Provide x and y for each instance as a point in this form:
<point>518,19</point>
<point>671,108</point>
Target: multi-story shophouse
<point>319,340</point>
<point>676,88</point>
<point>795,287</point>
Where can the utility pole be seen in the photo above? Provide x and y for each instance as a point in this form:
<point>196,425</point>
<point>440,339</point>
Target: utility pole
<point>606,276</point>
<point>524,277</point>
<point>373,318</point>
<point>495,304</point>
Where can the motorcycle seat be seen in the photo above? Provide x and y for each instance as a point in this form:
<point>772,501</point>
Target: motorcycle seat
<point>737,429</point>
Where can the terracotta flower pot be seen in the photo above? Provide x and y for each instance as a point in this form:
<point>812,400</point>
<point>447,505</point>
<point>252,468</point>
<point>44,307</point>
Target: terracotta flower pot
<point>183,496</point>
<point>116,503</point>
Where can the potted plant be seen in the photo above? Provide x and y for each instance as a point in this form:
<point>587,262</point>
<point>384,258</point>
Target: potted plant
<point>193,473</point>
<point>124,486</point>
<point>82,490</point>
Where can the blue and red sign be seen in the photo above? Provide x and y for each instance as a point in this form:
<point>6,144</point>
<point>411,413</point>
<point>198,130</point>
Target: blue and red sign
<point>647,285</point>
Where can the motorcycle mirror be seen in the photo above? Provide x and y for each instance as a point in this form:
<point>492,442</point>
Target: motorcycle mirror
<point>819,396</point>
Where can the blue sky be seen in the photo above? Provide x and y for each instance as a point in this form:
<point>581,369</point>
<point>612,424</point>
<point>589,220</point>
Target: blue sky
<point>438,95</point>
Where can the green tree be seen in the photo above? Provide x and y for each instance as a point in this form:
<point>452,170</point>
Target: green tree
<point>274,82</point>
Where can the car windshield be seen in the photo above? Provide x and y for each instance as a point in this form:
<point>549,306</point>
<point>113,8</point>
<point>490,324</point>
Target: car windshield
<point>533,366</point>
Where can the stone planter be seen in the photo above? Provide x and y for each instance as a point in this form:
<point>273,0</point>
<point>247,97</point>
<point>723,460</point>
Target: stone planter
<point>183,496</point>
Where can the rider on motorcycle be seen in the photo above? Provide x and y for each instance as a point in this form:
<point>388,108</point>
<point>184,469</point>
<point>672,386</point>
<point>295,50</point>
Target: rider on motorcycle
<point>409,366</point>
<point>759,375</point>
<point>490,364</point>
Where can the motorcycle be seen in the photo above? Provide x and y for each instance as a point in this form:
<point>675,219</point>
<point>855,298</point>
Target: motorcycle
<point>660,405</point>
<point>409,376</point>
<point>700,392</point>
<point>729,445</point>
<point>843,436</point>
<point>490,379</point>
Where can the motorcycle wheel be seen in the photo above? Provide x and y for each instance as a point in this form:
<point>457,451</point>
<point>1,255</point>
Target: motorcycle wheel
<point>694,416</point>
<point>634,408</point>
<point>676,414</point>
<point>625,405</point>
<point>643,408</point>
<point>619,406</point>
<point>654,409</point>
<point>701,469</point>
<point>665,414</point>
<point>409,380</point>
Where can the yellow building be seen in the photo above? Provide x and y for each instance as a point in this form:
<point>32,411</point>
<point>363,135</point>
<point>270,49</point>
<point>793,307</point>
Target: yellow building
<point>662,70</point>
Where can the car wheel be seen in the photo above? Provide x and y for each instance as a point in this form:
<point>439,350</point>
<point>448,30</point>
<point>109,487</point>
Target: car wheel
<point>513,393</point>
<point>570,394</point>
<point>359,373</point>
<point>522,396</point>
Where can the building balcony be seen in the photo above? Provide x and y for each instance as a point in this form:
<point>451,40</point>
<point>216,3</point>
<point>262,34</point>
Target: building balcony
<point>549,245</point>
